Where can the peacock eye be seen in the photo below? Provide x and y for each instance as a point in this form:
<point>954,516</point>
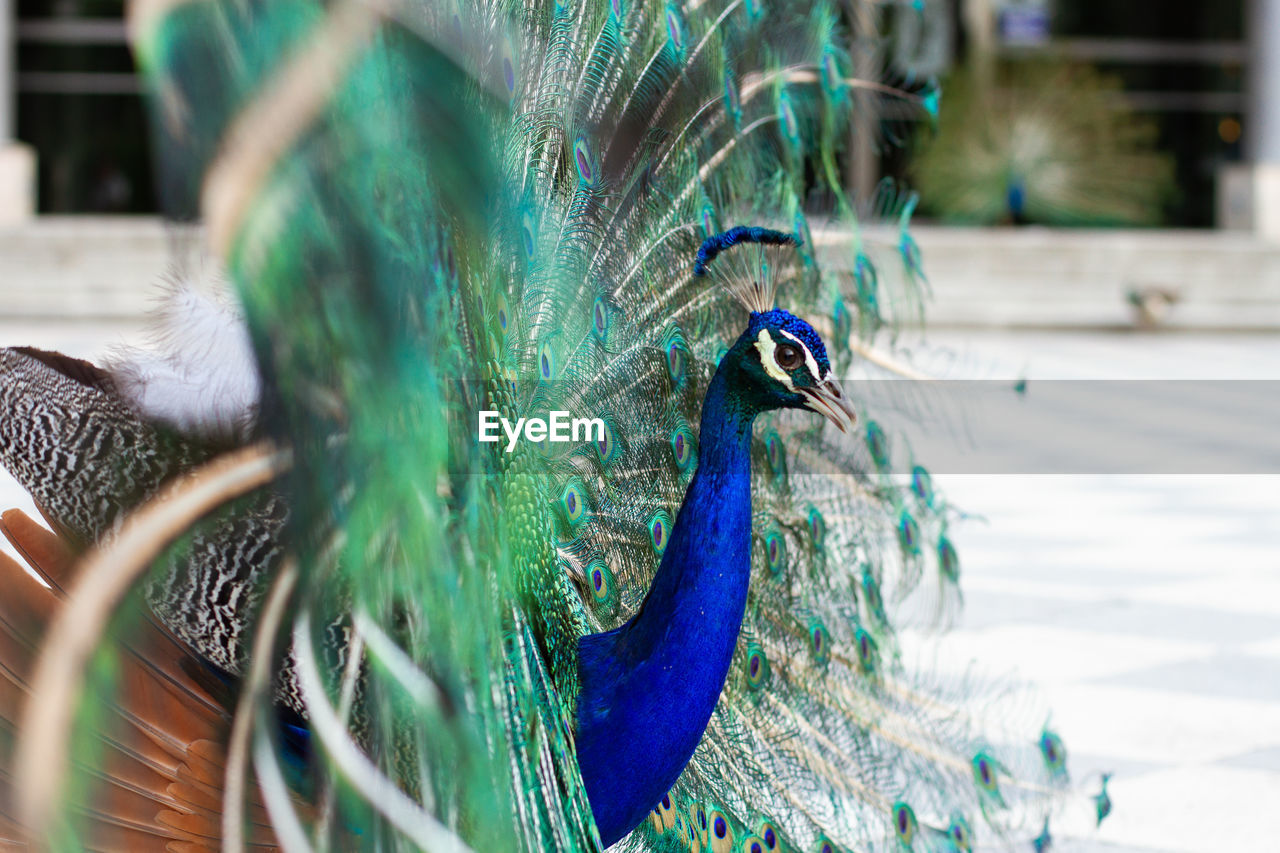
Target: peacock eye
<point>787,357</point>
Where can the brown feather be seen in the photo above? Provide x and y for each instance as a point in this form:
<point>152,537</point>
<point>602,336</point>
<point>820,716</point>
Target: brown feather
<point>43,549</point>
<point>161,769</point>
<point>75,369</point>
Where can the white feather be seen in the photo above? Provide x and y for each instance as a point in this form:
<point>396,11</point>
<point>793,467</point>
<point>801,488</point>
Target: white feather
<point>198,374</point>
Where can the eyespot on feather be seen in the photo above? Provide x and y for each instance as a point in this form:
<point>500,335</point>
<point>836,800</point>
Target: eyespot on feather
<point>775,552</point>
<point>508,66</point>
<point>732,104</point>
<point>868,652</point>
<point>573,502</point>
<point>584,161</point>
<point>757,666</point>
<point>698,819</point>
<point>709,226</point>
<point>675,29</point>
<point>528,227</point>
<point>817,527</point>
<point>787,120</point>
<point>682,448</point>
<point>1054,752</point>
<point>984,772</point>
<point>659,531</point>
<point>666,813</point>
<point>878,445</point>
<point>776,454</point>
<point>960,834</point>
<point>770,835</point>
<point>819,642</point>
<point>606,445</point>
<point>600,318</point>
<point>601,582</point>
<point>546,362</point>
<point>842,322</point>
<point>922,485</point>
<point>719,832</point>
<point>948,559</point>
<point>502,313</point>
<point>904,823</point>
<point>871,597</point>
<point>676,355</point>
<point>908,534</point>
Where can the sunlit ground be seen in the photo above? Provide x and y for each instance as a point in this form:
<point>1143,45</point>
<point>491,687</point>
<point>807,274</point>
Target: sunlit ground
<point>1147,608</point>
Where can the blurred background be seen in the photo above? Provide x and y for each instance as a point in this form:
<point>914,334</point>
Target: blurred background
<point>1099,200</point>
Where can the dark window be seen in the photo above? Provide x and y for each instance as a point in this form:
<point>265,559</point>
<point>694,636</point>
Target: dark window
<point>78,105</point>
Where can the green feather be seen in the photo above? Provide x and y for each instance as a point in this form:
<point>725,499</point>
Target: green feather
<point>496,206</point>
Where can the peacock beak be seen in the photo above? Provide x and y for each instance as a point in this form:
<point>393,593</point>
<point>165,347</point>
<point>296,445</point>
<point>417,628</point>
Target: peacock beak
<point>828,399</point>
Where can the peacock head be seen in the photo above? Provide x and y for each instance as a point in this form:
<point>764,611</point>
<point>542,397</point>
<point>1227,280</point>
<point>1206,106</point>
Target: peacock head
<point>780,361</point>
<point>783,364</point>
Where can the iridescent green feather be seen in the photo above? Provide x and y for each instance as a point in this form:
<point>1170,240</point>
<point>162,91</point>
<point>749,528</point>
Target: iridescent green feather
<point>497,208</point>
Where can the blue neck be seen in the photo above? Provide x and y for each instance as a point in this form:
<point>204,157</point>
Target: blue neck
<point>649,687</point>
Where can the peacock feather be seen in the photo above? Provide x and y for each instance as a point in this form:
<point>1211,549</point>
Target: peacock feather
<point>678,629</point>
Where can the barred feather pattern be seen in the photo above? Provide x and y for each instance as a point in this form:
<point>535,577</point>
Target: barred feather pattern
<point>82,453</point>
<point>88,457</point>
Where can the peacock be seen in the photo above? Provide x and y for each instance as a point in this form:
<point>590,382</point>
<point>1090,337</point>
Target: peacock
<point>677,606</point>
<point>1042,141</point>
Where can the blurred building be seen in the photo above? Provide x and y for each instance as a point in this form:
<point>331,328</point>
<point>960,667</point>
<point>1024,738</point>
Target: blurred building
<point>1184,62</point>
<point>1209,72</point>
<point>1189,65</point>
<point>69,92</point>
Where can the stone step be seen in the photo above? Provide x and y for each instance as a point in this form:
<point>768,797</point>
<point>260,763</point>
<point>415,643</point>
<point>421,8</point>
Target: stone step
<point>83,267</point>
<point>1083,278</point>
<point>106,267</point>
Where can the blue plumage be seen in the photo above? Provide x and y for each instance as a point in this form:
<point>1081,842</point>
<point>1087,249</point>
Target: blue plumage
<point>792,325</point>
<point>650,686</point>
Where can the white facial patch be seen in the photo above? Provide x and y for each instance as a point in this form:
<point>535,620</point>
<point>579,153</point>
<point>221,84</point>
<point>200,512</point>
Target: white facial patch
<point>809,360</point>
<point>766,346</point>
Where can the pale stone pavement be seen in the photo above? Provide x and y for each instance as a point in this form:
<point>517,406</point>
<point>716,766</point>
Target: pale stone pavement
<point>1147,608</point>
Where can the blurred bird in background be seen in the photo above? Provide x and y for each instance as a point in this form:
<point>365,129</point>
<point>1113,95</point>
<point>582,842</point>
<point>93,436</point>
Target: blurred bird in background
<point>1043,142</point>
